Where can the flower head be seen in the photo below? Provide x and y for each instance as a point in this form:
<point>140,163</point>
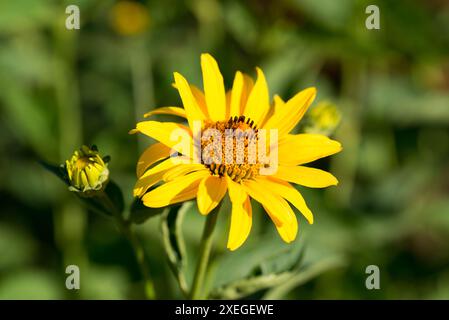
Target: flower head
<point>129,18</point>
<point>87,172</point>
<point>323,118</point>
<point>223,149</point>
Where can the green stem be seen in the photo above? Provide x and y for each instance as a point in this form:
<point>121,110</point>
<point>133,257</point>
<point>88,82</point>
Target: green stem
<point>141,259</point>
<point>126,228</point>
<point>203,258</point>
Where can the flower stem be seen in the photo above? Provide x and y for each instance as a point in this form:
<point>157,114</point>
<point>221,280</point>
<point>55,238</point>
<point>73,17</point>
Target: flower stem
<point>126,229</point>
<point>203,258</point>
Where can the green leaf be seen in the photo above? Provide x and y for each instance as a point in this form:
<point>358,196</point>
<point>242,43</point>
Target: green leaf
<point>271,269</point>
<point>171,227</point>
<point>246,287</point>
<point>278,284</point>
<point>286,260</point>
<point>267,255</point>
<point>302,276</point>
<point>96,205</point>
<point>139,213</point>
<point>58,170</point>
<point>114,193</point>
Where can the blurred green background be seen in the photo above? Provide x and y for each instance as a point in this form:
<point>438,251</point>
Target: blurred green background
<point>61,88</point>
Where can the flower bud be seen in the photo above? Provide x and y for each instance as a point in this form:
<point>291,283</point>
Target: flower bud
<point>130,18</point>
<point>323,119</point>
<point>87,172</point>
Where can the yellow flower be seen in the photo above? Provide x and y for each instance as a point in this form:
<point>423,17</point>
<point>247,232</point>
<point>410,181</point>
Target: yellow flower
<point>323,118</point>
<point>86,170</point>
<point>246,107</point>
<point>129,18</point>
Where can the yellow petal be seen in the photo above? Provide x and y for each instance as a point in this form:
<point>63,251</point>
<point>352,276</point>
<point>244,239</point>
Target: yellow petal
<point>236,94</point>
<point>168,133</point>
<point>181,170</point>
<point>287,231</point>
<point>193,111</point>
<point>174,111</point>
<point>286,117</point>
<point>308,148</point>
<point>152,176</point>
<point>277,103</point>
<point>210,192</point>
<point>228,103</point>
<point>241,215</point>
<point>237,192</point>
<point>277,208</point>
<point>150,156</point>
<point>256,191</point>
<point>258,102</point>
<point>248,85</point>
<point>305,176</point>
<point>200,99</point>
<point>181,189</point>
<point>288,192</point>
<point>214,90</point>
<point>241,222</point>
<point>84,178</point>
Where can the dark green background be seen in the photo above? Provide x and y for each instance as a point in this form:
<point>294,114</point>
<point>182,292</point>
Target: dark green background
<point>60,88</point>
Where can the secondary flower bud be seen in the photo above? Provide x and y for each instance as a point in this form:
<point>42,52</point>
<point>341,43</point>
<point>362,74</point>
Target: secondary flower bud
<point>323,119</point>
<point>87,171</point>
<point>130,18</point>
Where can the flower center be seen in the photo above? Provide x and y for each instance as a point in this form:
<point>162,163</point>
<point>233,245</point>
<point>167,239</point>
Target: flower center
<point>230,148</point>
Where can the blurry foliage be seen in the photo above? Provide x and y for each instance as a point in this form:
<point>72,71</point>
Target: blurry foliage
<point>60,88</point>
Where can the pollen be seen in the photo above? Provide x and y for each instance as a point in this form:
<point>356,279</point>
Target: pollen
<point>235,153</point>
